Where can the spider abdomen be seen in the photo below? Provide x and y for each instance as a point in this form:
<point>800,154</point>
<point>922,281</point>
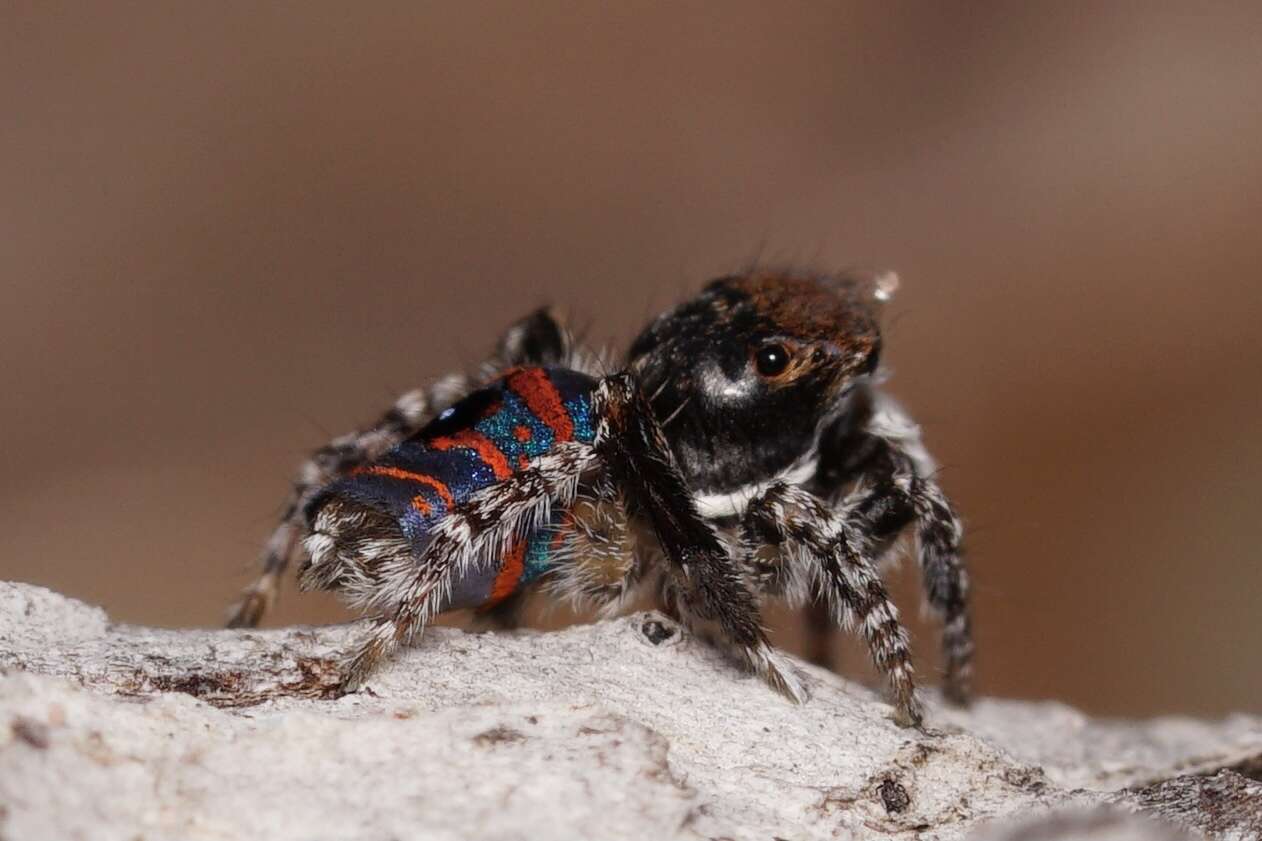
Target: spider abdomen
<point>372,526</point>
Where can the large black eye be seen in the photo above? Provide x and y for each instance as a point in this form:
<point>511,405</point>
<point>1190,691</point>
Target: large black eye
<point>771,360</point>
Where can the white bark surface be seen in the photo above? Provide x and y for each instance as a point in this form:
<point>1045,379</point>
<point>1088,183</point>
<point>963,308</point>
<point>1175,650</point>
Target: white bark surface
<point>595,732</point>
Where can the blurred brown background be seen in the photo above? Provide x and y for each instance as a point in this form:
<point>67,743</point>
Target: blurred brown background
<point>229,230</point>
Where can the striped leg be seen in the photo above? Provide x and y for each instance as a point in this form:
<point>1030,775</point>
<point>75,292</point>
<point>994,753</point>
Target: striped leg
<point>939,535</point>
<point>798,547</point>
<point>704,586</point>
<point>473,535</point>
<point>539,338</point>
<point>885,460</point>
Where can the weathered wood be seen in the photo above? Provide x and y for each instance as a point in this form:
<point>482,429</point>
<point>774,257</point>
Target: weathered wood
<point>623,729</point>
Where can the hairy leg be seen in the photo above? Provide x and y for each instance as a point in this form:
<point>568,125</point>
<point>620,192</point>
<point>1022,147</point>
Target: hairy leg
<point>893,482</point>
<point>538,339</point>
<point>939,535</point>
<point>476,532</point>
<point>799,548</point>
<point>705,586</point>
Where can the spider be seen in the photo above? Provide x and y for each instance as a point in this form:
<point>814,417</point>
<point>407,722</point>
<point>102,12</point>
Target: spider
<point>742,451</point>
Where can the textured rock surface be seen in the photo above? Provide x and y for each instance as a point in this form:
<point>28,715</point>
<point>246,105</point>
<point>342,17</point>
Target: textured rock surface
<point>623,729</point>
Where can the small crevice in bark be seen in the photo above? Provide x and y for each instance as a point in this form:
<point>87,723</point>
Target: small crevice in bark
<point>318,679</point>
<point>498,736</point>
<point>893,796</point>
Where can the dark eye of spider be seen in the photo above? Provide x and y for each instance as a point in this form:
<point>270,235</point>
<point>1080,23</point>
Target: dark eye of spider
<point>771,360</point>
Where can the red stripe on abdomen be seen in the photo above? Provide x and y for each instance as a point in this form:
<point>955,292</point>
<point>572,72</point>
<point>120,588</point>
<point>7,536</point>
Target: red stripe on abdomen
<point>510,573</point>
<point>471,439</point>
<point>543,400</point>
<point>440,487</point>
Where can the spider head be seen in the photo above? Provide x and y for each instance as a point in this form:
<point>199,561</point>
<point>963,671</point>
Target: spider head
<point>745,375</point>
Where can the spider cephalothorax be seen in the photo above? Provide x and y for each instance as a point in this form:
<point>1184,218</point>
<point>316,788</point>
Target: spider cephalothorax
<point>745,375</point>
<point>742,452</point>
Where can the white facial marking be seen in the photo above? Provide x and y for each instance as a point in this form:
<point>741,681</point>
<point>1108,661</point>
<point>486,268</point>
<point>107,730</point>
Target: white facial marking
<point>719,387</point>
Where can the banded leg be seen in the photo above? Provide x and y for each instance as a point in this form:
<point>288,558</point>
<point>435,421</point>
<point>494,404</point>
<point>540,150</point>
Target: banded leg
<point>476,532</point>
<point>539,338</point>
<point>892,474</point>
<point>704,585</point>
<point>908,496</point>
<point>797,547</point>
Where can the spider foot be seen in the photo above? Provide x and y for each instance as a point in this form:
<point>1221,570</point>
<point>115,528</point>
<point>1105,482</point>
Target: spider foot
<point>779,673</point>
<point>255,602</point>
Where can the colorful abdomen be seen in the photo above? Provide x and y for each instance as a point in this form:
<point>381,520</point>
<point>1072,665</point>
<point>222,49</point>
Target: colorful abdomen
<point>484,438</point>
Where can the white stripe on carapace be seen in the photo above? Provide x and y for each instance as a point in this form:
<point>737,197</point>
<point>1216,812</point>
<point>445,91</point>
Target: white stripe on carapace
<point>733,503</point>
